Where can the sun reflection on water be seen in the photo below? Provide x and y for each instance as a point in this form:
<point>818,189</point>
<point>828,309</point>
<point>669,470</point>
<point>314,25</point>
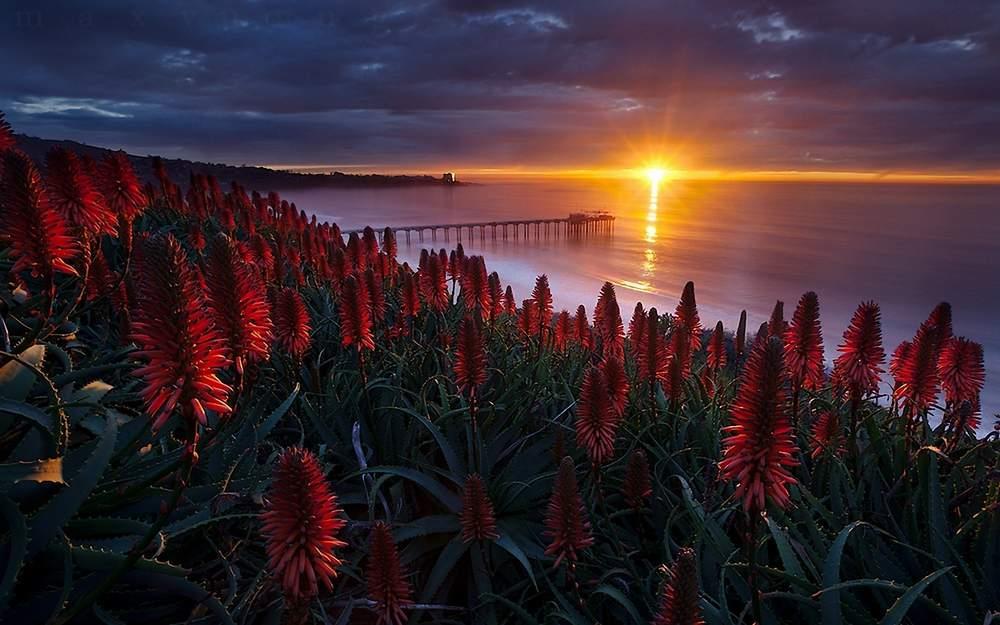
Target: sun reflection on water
<point>649,260</point>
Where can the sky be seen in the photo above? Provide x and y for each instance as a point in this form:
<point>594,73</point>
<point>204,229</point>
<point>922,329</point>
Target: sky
<point>888,87</point>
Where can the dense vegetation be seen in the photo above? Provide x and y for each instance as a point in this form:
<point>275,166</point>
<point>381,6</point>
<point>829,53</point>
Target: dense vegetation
<point>214,409</point>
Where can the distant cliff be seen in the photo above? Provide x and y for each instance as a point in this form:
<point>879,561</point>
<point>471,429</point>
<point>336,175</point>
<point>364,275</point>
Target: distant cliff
<point>259,178</point>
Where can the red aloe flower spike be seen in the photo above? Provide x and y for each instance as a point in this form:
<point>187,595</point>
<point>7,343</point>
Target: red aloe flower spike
<point>679,350</point>
<point>509,302</point>
<point>238,302</point>
<point>37,235</point>
<point>776,324</point>
<point>637,486</point>
<point>120,186</point>
<point>597,420</point>
<point>433,286</point>
<point>566,523</point>
<point>355,316</point>
<point>686,316</point>
<point>301,521</point>
<point>637,330</point>
<point>653,359</point>
<point>899,356</point>
<point>527,319</point>
<point>758,446</point>
<point>917,382</point>
<point>804,345</point>
<point>470,357</point>
<point>291,323</point>
<point>73,193</point>
<point>389,243</point>
<point>370,246</point>
<point>376,294</point>
<point>679,603</point>
<point>6,135</point>
<point>356,256</point>
<point>455,266</point>
<point>618,385</point>
<point>716,356</point>
<point>608,322</point>
<point>387,585</point>
<point>542,295</point>
<point>182,348</point>
<point>856,371</point>
<point>495,295</point>
<point>961,370</point>
<point>741,336</point>
<point>581,328</point>
<point>477,518</point>
<point>827,435</point>
<point>410,295</point>
<point>475,287</point>
<point>563,331</point>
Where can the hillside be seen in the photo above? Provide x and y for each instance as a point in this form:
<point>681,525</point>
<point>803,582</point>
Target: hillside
<point>250,177</point>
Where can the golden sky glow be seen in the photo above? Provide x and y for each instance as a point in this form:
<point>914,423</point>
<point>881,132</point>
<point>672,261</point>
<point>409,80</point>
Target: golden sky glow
<point>646,172</point>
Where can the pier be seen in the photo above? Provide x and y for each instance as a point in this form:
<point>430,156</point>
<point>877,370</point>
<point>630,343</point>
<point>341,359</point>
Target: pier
<point>577,225</point>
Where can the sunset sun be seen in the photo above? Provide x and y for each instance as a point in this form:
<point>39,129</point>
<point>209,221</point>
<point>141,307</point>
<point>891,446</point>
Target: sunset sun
<point>655,174</point>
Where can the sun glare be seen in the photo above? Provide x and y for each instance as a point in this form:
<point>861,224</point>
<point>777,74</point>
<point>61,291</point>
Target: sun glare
<point>655,174</point>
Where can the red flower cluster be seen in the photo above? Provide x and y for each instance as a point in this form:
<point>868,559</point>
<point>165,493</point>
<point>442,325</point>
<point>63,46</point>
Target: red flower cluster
<point>291,323</point>
<point>177,339</point>
<point>827,435</point>
<point>477,518</point>
<point>74,194</point>
<point>566,522</point>
<point>636,487</point>
<point>759,447</point>
<point>597,418</point>
<point>856,371</point>
<point>301,522</point>
<point>37,235</point>
<point>355,315</point>
<point>804,345</point>
<point>470,357</point>
<point>916,369</point>
<point>608,322</point>
<point>679,603</point>
<point>387,585</point>
<point>715,357</point>
<point>238,303</point>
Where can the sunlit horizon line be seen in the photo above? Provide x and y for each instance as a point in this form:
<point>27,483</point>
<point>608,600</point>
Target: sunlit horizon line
<point>779,175</point>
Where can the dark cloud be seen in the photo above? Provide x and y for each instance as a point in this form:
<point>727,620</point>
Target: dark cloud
<point>897,85</point>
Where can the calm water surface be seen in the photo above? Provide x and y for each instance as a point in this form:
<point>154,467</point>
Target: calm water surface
<point>744,245</point>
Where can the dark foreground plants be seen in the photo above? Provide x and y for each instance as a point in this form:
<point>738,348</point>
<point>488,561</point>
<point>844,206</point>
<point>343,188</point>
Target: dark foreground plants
<point>214,409</point>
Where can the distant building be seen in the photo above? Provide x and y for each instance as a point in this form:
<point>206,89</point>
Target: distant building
<point>449,177</point>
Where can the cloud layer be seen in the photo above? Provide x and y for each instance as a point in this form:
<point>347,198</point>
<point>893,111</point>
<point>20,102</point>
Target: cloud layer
<point>888,86</point>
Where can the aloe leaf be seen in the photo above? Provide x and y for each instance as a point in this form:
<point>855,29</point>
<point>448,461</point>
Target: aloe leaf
<point>15,550</point>
<point>36,416</point>
<point>61,508</point>
<point>16,379</point>
<point>509,545</point>
<point>272,420</point>
<point>184,588</point>
<point>445,496</point>
<point>434,524</point>
<point>619,596</point>
<point>899,609</point>
<point>444,567</point>
<point>785,551</point>
<point>44,470</point>
<point>830,601</point>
